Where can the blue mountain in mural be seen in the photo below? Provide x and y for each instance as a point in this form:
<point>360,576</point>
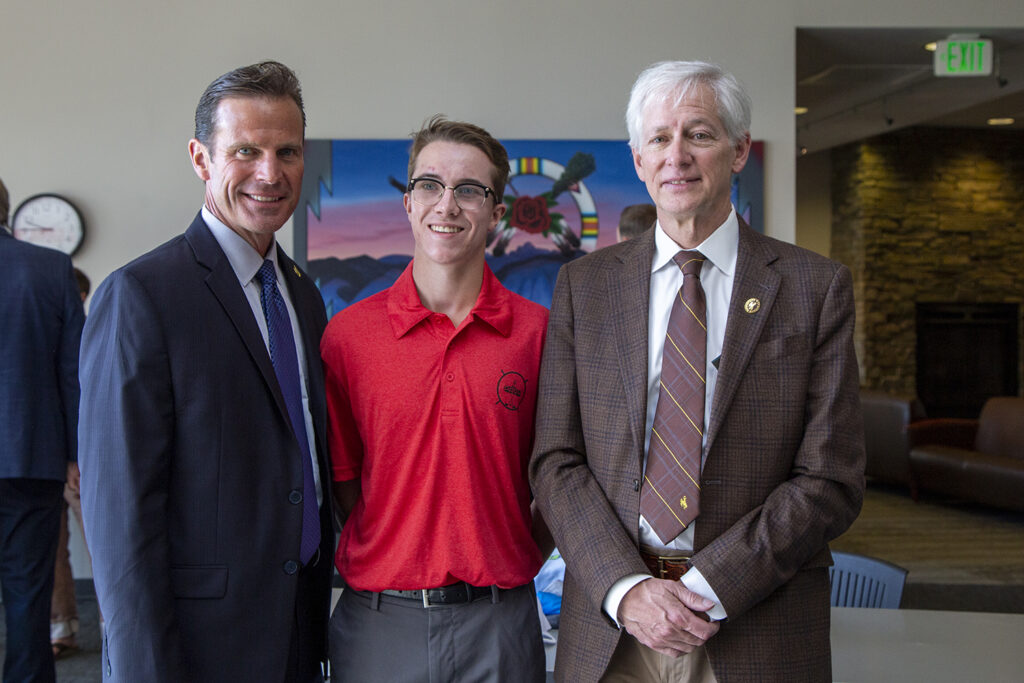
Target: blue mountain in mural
<point>531,272</point>
<point>528,271</point>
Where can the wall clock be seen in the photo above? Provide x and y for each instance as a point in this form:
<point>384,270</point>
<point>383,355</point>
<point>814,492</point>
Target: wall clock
<point>49,220</point>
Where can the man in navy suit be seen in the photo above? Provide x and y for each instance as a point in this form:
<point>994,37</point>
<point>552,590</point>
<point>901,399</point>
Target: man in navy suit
<point>40,333</point>
<point>202,453</point>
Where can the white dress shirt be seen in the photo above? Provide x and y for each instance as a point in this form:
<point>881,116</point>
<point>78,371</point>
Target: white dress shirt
<point>716,277</point>
<point>246,262</point>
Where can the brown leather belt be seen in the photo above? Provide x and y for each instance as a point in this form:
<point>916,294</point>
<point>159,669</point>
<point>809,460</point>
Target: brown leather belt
<point>663,567</point>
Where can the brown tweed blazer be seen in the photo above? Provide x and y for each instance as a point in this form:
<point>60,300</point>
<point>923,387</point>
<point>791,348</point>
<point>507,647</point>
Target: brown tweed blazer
<point>785,459</point>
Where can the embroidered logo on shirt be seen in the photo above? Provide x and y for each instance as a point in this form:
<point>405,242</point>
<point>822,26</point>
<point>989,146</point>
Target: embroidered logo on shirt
<point>511,389</point>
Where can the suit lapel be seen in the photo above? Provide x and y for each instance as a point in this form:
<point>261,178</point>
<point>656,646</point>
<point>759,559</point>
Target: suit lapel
<point>629,288</point>
<point>223,282</point>
<point>754,279</point>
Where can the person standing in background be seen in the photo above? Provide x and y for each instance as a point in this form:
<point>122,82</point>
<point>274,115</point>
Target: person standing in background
<point>39,394</point>
<point>634,220</point>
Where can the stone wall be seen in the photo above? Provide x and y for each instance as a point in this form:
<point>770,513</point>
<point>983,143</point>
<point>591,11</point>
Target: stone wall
<point>926,215</point>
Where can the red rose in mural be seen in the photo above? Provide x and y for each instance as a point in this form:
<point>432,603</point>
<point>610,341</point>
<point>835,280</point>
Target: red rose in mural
<point>531,214</point>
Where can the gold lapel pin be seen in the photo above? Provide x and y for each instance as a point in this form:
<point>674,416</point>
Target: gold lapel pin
<point>298,274</point>
<point>753,305</point>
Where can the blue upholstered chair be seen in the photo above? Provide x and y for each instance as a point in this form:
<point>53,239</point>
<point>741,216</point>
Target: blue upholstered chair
<point>861,581</point>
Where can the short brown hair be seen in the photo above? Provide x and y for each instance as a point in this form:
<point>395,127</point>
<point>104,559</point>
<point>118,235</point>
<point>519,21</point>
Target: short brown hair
<point>83,282</point>
<point>439,128</point>
<point>264,79</point>
<point>635,219</point>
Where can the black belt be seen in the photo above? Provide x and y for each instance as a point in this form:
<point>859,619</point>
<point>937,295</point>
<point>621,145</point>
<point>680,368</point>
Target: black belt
<point>454,594</point>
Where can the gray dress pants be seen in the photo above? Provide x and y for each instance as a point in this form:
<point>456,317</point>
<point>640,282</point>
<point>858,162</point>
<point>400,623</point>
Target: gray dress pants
<point>375,637</point>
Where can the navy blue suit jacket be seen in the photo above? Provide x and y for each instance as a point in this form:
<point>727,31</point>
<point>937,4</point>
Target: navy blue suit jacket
<point>190,471</point>
<point>40,329</point>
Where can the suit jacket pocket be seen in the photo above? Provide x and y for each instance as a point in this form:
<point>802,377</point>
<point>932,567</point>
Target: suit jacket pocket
<point>774,349</point>
<point>199,581</point>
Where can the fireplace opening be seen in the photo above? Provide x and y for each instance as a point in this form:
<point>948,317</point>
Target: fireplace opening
<point>966,354</point>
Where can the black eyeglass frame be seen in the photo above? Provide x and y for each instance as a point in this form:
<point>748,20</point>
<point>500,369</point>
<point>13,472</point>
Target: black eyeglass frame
<point>487,190</point>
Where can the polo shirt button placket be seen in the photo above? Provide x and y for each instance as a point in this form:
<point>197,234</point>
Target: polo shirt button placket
<point>449,393</point>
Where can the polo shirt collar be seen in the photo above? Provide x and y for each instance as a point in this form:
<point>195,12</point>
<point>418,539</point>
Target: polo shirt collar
<point>405,310</point>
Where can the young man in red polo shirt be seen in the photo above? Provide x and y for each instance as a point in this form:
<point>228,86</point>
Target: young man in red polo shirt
<point>431,389</point>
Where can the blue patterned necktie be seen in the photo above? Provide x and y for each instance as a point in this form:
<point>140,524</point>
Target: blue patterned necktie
<point>286,367</point>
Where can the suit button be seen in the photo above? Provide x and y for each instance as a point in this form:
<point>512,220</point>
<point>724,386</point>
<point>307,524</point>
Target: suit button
<point>295,497</point>
<point>291,566</point>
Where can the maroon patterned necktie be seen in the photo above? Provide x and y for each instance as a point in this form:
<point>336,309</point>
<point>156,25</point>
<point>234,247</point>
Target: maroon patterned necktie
<point>670,497</point>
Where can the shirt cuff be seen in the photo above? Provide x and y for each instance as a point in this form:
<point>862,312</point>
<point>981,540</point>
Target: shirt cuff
<point>617,592</point>
<point>696,582</point>
<point>692,579</point>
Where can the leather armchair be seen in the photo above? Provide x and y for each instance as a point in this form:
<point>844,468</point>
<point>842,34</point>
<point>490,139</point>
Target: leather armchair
<point>977,460</point>
<point>886,438</point>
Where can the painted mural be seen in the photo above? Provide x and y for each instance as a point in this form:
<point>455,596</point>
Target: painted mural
<point>564,198</point>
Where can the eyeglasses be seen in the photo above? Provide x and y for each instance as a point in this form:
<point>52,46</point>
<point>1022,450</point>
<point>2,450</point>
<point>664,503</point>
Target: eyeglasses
<point>428,192</point>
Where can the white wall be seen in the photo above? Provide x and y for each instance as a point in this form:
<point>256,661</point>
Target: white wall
<point>98,97</point>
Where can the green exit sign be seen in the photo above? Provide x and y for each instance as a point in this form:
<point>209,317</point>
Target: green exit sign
<point>963,56</point>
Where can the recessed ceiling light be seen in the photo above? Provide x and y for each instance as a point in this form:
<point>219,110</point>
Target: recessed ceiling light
<point>799,110</point>
<point>931,47</point>
<point>1006,121</point>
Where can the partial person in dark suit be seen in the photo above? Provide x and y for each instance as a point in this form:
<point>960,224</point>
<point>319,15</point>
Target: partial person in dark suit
<point>775,432</point>
<point>203,422</point>
<point>40,334</point>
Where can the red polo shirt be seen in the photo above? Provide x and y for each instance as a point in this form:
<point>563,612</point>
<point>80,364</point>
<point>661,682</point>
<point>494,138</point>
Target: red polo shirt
<point>437,423</point>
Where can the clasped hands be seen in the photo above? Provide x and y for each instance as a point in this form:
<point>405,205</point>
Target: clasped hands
<point>666,616</point>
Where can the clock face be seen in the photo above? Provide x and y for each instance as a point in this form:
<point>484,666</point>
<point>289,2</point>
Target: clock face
<point>49,220</point>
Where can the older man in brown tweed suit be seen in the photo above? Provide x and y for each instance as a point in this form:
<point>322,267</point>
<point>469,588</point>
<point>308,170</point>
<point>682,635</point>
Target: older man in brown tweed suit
<point>741,592</point>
